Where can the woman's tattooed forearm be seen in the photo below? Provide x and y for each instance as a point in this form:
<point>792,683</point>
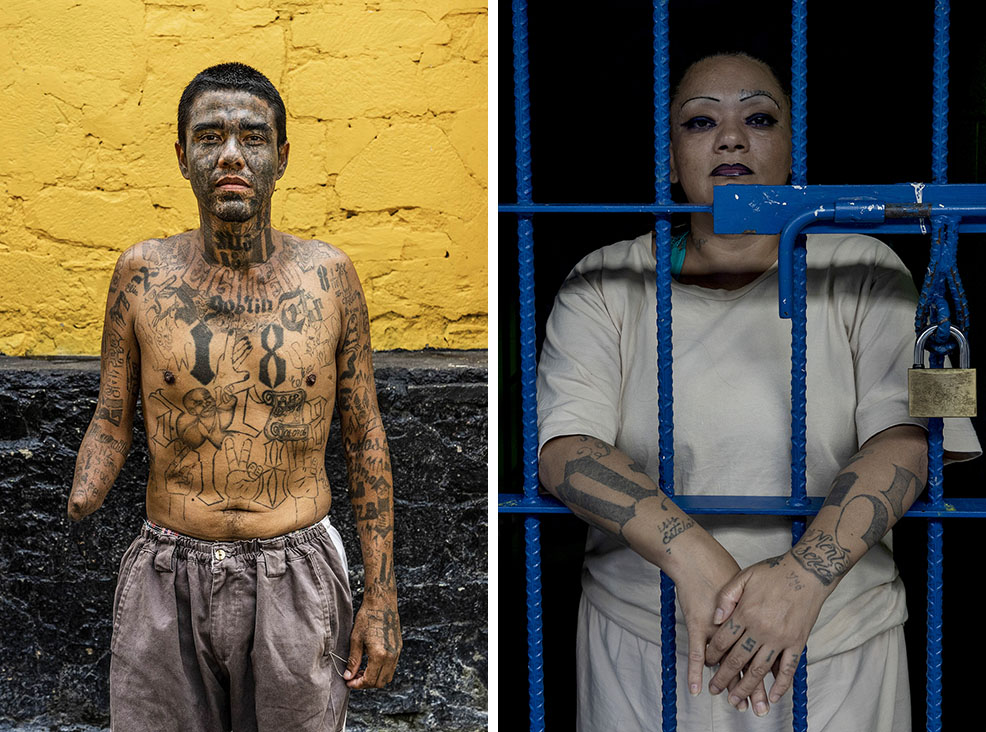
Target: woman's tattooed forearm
<point>674,526</point>
<point>612,503</point>
<point>828,555</point>
<point>822,555</point>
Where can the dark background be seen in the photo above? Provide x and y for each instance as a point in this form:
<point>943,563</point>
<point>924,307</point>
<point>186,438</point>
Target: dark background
<point>57,577</point>
<point>869,121</point>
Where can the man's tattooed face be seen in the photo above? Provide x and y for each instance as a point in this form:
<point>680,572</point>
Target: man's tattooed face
<point>231,154</point>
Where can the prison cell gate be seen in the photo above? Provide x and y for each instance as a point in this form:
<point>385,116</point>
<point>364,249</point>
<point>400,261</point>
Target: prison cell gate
<point>780,210</point>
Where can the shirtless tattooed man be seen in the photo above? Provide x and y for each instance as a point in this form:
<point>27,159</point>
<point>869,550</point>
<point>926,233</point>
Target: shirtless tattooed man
<point>233,608</point>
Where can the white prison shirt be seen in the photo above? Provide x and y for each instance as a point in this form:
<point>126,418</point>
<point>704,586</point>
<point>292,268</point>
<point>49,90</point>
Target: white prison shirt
<point>597,376</point>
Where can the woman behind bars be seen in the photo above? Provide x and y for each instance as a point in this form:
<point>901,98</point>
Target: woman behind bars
<point>748,601</point>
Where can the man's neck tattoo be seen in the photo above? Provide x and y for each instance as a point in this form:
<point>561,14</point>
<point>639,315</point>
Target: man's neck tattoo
<point>238,245</point>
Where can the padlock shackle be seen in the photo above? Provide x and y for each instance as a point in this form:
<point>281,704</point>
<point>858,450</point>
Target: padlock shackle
<point>955,333</point>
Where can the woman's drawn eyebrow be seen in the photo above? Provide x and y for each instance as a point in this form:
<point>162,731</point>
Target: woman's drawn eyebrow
<point>745,94</point>
<point>692,99</point>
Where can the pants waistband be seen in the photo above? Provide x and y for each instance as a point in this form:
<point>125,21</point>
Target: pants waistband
<point>171,545</point>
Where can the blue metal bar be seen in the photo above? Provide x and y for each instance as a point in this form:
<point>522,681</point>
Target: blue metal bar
<point>799,92</point>
<point>799,176</point>
<point>753,506</point>
<point>535,623</point>
<point>665,412</point>
<point>797,223</point>
<point>933,681</point>
<point>799,384</point>
<point>655,208</point>
<point>525,239</point>
<point>939,171</point>
<point>755,209</point>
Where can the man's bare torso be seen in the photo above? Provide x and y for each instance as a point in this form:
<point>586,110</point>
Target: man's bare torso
<point>238,381</point>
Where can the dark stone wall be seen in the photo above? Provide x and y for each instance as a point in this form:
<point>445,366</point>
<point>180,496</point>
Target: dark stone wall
<point>57,578</point>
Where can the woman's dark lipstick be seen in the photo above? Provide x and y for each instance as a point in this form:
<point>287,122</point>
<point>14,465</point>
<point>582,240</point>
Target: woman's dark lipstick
<point>731,170</point>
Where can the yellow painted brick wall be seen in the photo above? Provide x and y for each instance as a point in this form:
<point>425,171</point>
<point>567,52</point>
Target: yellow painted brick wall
<point>387,114</point>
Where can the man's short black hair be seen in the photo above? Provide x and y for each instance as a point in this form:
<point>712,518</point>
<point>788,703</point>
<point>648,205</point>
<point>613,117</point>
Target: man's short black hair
<point>232,77</point>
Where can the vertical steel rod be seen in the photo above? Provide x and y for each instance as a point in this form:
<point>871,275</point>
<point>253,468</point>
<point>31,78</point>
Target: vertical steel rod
<point>799,176</point>
<point>939,170</point>
<point>662,239</point>
<point>525,243</point>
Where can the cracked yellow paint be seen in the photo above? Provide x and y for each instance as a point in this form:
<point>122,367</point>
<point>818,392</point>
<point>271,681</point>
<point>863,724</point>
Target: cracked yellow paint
<point>387,118</point>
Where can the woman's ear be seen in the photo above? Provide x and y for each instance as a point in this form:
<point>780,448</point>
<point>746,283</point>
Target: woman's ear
<point>674,169</point>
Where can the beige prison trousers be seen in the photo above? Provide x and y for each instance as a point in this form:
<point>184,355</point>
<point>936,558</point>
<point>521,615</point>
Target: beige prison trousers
<point>619,687</point>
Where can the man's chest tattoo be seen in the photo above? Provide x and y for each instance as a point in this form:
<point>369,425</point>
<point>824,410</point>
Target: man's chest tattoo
<point>239,422</point>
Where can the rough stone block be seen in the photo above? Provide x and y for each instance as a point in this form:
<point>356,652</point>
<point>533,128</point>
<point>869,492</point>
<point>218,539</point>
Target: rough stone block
<point>454,85</point>
<point>96,37</point>
<point>95,218</point>
<point>344,30</point>
<point>304,211</point>
<point>468,135</point>
<point>177,22</point>
<point>438,9</point>
<point>410,165</point>
<point>431,283</point>
<point>306,158</point>
<point>41,137</point>
<point>116,123</point>
<point>345,88</point>
<point>387,243</point>
<point>173,62</point>
<point>477,41</point>
<point>346,138</point>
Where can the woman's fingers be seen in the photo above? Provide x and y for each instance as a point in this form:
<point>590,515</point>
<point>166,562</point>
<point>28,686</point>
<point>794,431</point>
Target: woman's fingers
<point>784,675</point>
<point>731,667</point>
<point>697,638</point>
<point>728,598</point>
<point>752,682</point>
<point>758,699</point>
<point>740,703</point>
<point>722,641</point>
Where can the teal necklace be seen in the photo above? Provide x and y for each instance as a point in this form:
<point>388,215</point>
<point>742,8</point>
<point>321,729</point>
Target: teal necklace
<point>678,253</point>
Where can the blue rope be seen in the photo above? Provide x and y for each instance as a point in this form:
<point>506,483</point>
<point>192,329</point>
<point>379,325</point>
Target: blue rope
<point>942,293</point>
<point>665,408</point>
<point>525,243</point>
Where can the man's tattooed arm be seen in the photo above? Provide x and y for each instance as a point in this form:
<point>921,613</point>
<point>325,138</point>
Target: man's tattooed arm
<point>867,498</point>
<point>107,441</point>
<point>377,627</point>
<point>609,490</point>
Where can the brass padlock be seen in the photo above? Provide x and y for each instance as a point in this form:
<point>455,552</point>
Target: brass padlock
<point>941,392</point>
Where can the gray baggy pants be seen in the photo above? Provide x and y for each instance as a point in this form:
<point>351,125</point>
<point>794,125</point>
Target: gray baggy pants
<point>231,635</point>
